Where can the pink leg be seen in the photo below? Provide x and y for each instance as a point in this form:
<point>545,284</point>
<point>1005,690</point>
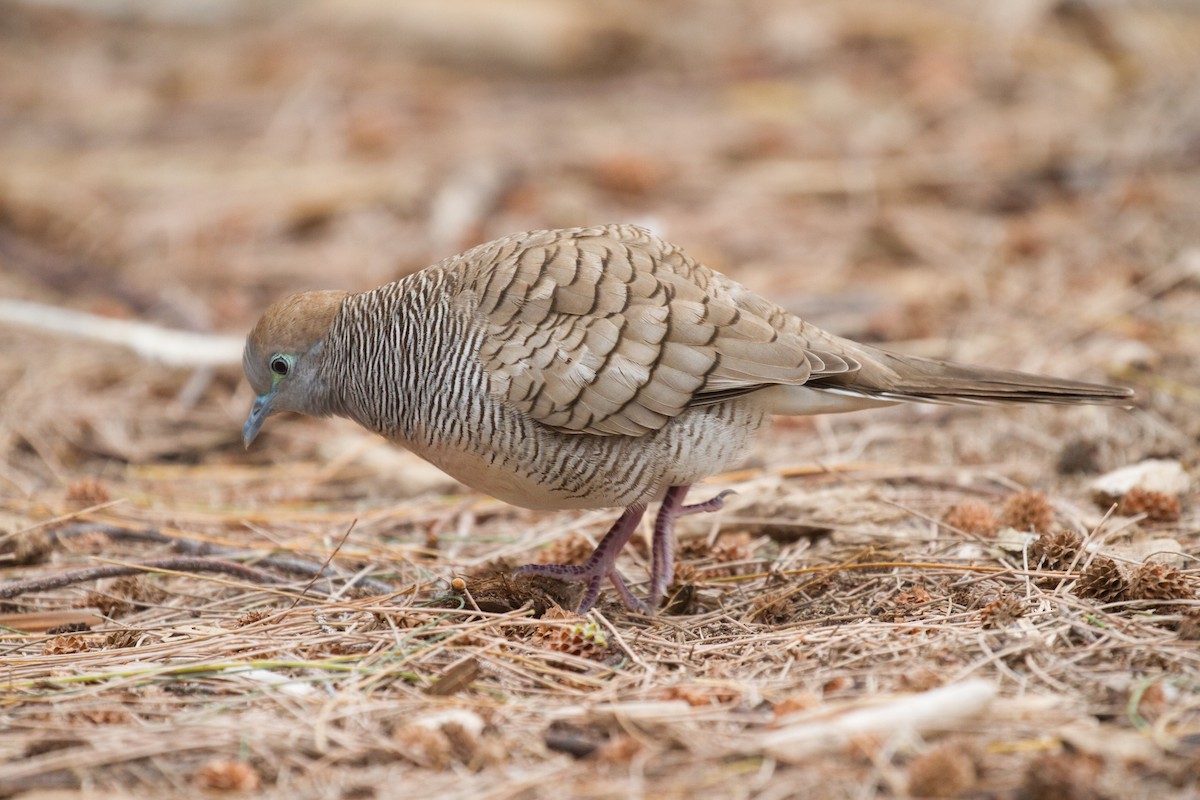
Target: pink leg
<point>663,545</point>
<point>600,565</point>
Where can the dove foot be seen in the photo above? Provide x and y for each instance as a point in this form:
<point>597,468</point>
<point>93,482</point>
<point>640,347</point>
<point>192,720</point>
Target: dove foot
<point>602,563</point>
<point>663,544</point>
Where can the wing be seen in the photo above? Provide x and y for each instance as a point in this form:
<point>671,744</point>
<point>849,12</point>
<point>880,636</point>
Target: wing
<point>613,331</point>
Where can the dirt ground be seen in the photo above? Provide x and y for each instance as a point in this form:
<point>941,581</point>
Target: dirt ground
<point>915,601</point>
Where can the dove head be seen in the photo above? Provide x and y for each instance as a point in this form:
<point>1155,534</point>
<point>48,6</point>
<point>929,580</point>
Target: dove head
<point>282,354</point>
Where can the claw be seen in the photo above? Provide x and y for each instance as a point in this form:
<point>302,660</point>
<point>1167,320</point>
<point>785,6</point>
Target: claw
<point>602,563</point>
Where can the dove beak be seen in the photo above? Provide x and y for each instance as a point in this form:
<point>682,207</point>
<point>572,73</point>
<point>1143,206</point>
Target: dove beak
<point>258,413</point>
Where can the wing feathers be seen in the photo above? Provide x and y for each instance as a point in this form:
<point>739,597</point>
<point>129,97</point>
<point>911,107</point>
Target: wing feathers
<point>613,331</point>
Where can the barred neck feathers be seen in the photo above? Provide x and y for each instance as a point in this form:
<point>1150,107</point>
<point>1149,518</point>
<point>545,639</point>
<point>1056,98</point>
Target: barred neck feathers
<point>400,358</point>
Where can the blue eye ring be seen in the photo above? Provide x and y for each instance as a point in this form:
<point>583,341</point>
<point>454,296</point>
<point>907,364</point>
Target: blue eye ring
<point>280,366</point>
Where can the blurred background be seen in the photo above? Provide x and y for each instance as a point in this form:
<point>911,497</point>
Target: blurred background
<point>1014,183</point>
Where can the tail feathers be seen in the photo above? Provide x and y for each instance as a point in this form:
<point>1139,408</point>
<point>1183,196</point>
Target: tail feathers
<point>888,376</point>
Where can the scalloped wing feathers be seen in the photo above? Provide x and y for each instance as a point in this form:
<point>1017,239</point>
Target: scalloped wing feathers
<point>611,330</point>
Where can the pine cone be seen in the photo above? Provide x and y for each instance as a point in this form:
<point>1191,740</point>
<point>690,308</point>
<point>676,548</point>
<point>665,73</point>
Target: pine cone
<point>252,616</point>
<point>228,776</point>
<point>573,549</point>
<point>583,638</point>
<point>685,573</point>
<point>1154,581</point>
<point>1103,580</point>
<point>64,645</point>
<point>1027,511</point>
<point>736,546</point>
<point>945,771</point>
<point>423,746</point>
<point>1157,506</point>
<point>726,551</point>
<point>681,594</point>
<point>911,599</point>
<point>1189,626</point>
<point>965,596</point>
<point>1066,775</point>
<point>773,609</point>
<point>1057,549</point>
<point>972,516</point>
<point>1002,612</point>
<point>87,492</point>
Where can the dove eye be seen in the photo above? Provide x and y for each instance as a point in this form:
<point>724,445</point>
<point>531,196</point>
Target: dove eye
<point>280,366</point>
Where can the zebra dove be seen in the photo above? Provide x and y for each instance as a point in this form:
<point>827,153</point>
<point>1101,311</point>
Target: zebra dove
<point>587,368</point>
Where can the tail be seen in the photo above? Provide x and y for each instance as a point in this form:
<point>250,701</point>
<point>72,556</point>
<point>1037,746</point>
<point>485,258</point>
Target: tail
<point>879,378</point>
<point>893,377</point>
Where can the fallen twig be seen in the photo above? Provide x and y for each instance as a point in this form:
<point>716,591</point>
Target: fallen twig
<point>937,709</point>
<point>173,564</point>
<point>152,342</point>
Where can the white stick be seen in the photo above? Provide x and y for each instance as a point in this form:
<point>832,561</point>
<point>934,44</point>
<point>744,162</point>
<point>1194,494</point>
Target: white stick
<point>178,348</point>
<point>933,710</point>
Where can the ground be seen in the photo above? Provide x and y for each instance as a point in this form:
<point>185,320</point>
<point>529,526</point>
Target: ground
<point>325,616</point>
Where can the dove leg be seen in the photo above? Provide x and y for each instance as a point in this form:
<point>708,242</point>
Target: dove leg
<point>663,545</point>
<point>601,564</point>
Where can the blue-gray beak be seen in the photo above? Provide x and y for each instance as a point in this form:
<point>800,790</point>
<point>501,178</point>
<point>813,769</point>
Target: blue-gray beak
<point>258,413</point>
